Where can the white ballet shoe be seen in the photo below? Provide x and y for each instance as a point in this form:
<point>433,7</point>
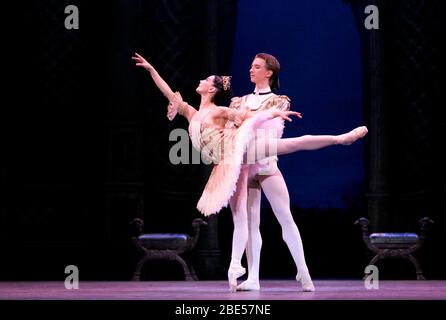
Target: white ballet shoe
<point>350,137</point>
<point>306,282</point>
<point>249,285</point>
<point>234,273</point>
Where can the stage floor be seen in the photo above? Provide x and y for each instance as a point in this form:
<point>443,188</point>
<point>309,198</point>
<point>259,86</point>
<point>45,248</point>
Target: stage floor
<point>218,290</point>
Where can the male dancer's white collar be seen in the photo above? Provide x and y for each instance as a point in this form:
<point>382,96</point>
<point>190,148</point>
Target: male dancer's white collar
<point>255,100</point>
<point>262,91</point>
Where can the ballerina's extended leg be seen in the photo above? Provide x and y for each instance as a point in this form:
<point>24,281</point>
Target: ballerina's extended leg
<point>266,147</point>
<point>352,136</point>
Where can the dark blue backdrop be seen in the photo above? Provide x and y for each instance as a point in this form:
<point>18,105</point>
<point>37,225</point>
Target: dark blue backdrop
<point>318,47</point>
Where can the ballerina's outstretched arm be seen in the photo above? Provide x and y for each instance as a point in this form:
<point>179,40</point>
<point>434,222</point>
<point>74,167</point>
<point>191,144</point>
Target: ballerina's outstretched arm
<point>176,103</point>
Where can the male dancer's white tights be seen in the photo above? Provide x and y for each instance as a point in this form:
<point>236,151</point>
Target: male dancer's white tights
<point>239,201</point>
<point>277,194</point>
<point>246,227</point>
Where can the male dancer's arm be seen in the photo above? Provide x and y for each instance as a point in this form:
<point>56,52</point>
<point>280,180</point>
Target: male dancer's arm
<point>275,128</point>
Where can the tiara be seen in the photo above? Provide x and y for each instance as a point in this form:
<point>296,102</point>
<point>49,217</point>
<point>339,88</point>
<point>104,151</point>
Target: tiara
<point>226,82</point>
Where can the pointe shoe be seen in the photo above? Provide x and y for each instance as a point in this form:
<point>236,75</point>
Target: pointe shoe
<point>233,274</point>
<point>305,280</point>
<point>249,285</point>
<point>350,137</point>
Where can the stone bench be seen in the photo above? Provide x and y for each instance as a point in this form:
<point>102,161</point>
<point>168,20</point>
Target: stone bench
<point>166,246</point>
<point>394,245</point>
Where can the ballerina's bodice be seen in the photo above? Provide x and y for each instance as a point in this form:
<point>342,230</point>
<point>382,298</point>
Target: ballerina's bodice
<point>206,137</point>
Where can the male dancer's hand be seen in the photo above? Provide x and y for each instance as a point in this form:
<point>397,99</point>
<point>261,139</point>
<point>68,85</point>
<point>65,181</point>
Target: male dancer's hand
<point>285,115</point>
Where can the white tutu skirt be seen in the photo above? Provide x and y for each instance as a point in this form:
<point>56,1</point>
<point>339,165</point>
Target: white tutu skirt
<point>222,182</point>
